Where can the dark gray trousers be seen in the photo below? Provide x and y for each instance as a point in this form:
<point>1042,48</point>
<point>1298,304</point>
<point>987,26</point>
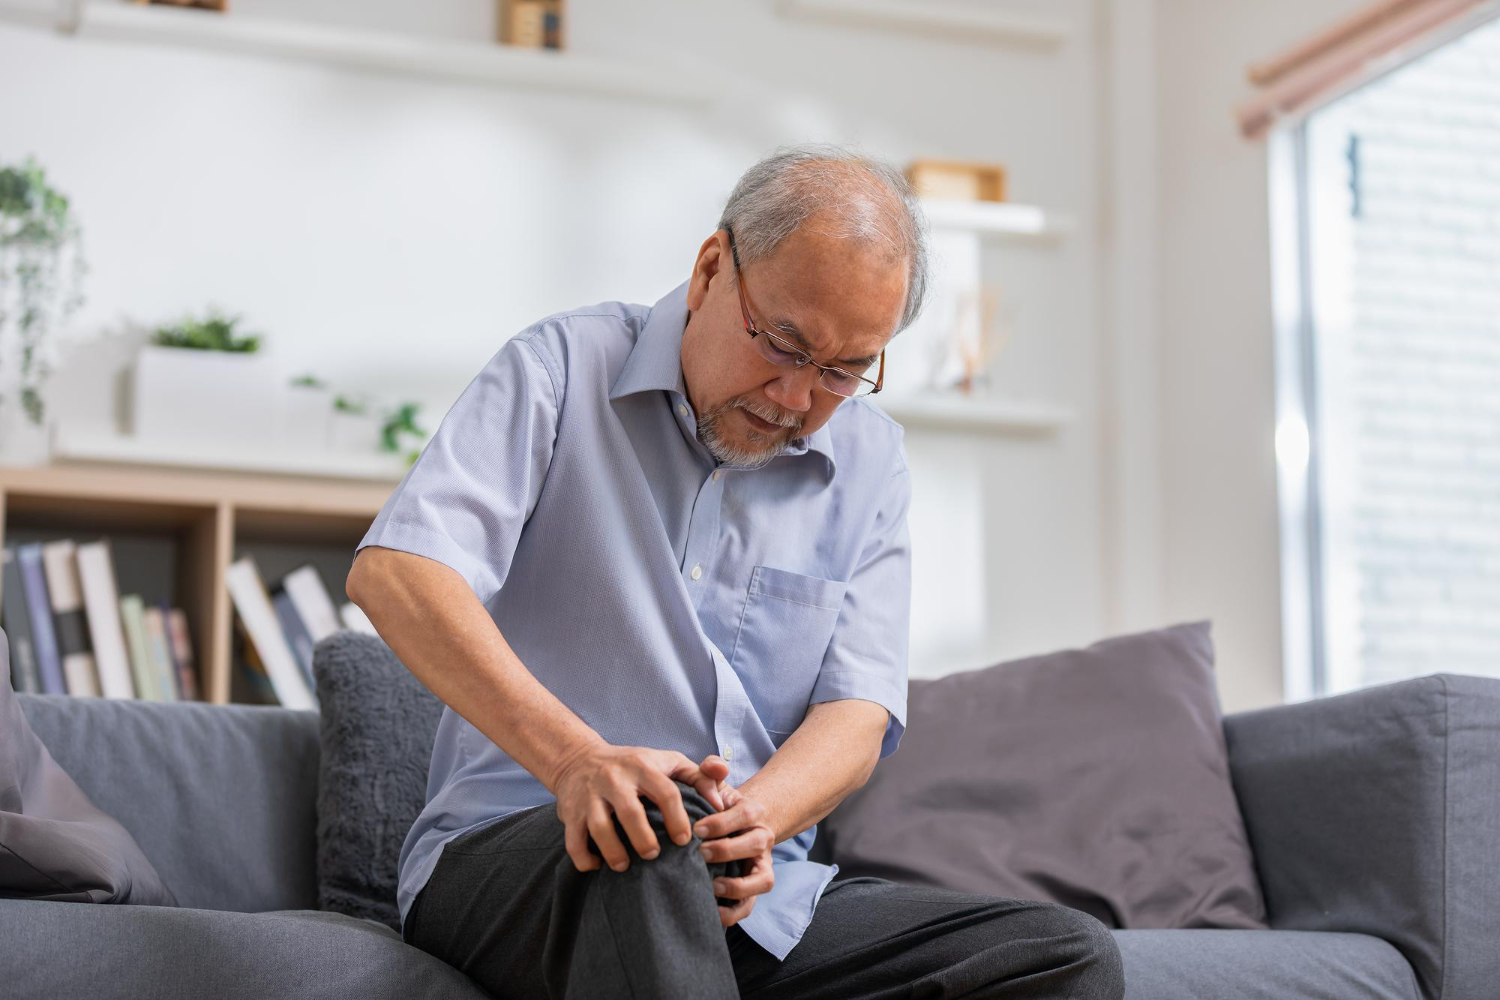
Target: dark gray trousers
<point>506,907</point>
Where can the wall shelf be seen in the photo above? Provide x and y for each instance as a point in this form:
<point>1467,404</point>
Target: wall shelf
<point>349,48</point>
<point>74,445</point>
<point>979,414</point>
<point>1000,220</point>
<point>948,21</point>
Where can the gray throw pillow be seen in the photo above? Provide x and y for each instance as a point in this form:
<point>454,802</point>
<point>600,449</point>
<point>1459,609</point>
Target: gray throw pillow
<point>377,724</point>
<point>54,843</point>
<point>1096,778</point>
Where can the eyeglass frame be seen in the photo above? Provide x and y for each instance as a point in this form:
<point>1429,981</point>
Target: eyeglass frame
<point>802,359</point>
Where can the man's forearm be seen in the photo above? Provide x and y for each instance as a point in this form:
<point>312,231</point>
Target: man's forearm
<point>429,616</point>
<point>831,754</point>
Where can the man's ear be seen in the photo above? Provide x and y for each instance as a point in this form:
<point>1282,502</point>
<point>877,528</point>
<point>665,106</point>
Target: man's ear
<point>712,256</point>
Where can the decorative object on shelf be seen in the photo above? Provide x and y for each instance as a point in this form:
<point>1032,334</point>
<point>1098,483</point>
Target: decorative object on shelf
<point>532,24</point>
<point>41,279</point>
<point>957,180</point>
<point>401,423</point>
<point>221,6</point>
<point>962,360</point>
<point>201,381</point>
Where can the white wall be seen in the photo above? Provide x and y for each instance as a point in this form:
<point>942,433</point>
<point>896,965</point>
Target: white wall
<point>389,233</point>
<point>1220,544</point>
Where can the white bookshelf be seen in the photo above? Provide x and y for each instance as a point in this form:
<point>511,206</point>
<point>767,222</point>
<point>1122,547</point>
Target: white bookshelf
<point>936,19</point>
<point>478,63</point>
<point>977,413</point>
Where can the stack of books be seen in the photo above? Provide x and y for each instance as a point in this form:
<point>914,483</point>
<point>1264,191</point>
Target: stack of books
<point>280,626</point>
<point>71,632</point>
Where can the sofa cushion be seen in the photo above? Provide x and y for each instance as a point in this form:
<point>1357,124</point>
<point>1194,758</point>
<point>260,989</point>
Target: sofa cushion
<point>1262,965</point>
<point>57,950</point>
<point>1096,778</point>
<point>220,797</point>
<point>54,842</point>
<point>378,723</point>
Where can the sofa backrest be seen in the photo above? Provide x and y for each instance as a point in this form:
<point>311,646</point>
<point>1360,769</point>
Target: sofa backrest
<point>221,798</point>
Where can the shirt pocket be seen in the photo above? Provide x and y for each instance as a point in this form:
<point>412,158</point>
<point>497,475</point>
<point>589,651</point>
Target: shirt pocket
<point>784,632</point>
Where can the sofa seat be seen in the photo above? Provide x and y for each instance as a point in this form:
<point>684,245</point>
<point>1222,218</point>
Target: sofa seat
<point>1262,965</point>
<point>85,950</point>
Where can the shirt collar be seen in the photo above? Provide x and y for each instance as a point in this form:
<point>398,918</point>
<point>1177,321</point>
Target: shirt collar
<point>655,363</point>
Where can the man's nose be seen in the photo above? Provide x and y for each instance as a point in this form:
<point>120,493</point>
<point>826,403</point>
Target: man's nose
<point>793,390</point>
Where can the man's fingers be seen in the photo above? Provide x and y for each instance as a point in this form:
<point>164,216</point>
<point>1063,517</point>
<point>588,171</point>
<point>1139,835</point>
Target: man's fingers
<point>731,915</point>
<point>576,841</point>
<point>664,792</point>
<point>709,789</point>
<point>756,883</point>
<point>638,830</point>
<point>707,785</point>
<point>602,829</point>
<point>744,845</point>
<point>740,815</point>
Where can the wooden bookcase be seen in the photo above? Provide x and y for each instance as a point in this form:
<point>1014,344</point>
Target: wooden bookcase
<point>207,519</point>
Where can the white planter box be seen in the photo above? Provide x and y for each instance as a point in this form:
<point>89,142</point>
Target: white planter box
<point>182,394</point>
<point>307,417</point>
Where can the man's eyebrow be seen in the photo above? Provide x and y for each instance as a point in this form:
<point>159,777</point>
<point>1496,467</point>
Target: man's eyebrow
<point>789,328</point>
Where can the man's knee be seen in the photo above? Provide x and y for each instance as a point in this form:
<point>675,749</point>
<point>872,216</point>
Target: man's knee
<point>1085,948</point>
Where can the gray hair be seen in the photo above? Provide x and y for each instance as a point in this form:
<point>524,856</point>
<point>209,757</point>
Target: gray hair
<point>865,200</point>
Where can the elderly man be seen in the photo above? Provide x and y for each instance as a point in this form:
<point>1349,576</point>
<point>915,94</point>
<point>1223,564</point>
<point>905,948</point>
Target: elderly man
<point>655,564</point>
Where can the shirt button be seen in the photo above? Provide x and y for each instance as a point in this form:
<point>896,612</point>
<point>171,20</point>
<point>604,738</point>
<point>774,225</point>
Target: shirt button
<point>681,408</point>
<point>728,753</point>
<point>717,474</point>
<point>697,572</point>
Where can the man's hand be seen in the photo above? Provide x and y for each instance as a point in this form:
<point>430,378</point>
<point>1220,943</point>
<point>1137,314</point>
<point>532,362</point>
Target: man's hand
<point>603,781</point>
<point>739,830</point>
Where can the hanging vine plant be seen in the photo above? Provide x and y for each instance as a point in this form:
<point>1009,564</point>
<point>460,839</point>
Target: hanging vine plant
<point>41,280</point>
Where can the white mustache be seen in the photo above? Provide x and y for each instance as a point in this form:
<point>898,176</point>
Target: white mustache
<point>772,417</point>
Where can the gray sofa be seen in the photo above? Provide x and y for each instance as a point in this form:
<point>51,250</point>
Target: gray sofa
<point>1373,818</point>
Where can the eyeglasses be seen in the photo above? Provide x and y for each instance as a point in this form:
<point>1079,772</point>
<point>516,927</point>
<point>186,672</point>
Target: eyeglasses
<point>784,354</point>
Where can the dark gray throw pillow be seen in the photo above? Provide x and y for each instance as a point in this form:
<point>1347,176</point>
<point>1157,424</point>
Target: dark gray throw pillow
<point>377,724</point>
<point>54,843</point>
<point>1096,778</point>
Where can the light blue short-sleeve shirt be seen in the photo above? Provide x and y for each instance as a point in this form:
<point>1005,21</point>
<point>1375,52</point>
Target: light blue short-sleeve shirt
<point>669,600</point>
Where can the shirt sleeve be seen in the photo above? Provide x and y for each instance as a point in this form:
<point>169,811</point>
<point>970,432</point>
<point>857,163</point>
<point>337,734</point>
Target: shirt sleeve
<point>867,657</point>
<point>467,497</point>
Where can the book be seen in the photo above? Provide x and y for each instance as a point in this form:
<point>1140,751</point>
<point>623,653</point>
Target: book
<point>73,644</point>
<point>353,617</point>
<point>14,617</point>
<point>96,577</point>
<point>253,603</point>
<point>39,614</point>
<point>248,683</point>
<point>182,654</point>
<point>164,671</point>
<point>132,616</point>
<point>295,632</point>
<point>304,586</point>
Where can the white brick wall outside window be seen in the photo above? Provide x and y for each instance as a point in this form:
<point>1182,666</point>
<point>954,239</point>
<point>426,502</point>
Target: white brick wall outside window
<point>1397,351</point>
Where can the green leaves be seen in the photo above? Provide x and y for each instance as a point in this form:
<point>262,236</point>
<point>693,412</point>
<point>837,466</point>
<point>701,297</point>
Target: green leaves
<point>32,214</point>
<point>215,332</point>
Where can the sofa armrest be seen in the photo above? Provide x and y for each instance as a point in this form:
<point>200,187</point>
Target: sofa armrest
<point>1379,812</point>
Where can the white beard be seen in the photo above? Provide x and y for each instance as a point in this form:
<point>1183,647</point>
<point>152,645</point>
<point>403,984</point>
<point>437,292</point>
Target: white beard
<point>751,453</point>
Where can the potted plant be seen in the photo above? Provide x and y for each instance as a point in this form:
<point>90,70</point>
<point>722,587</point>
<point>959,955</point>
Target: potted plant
<point>202,379</point>
<point>41,276</point>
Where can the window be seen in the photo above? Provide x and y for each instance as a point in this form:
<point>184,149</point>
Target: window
<point>1386,253</point>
